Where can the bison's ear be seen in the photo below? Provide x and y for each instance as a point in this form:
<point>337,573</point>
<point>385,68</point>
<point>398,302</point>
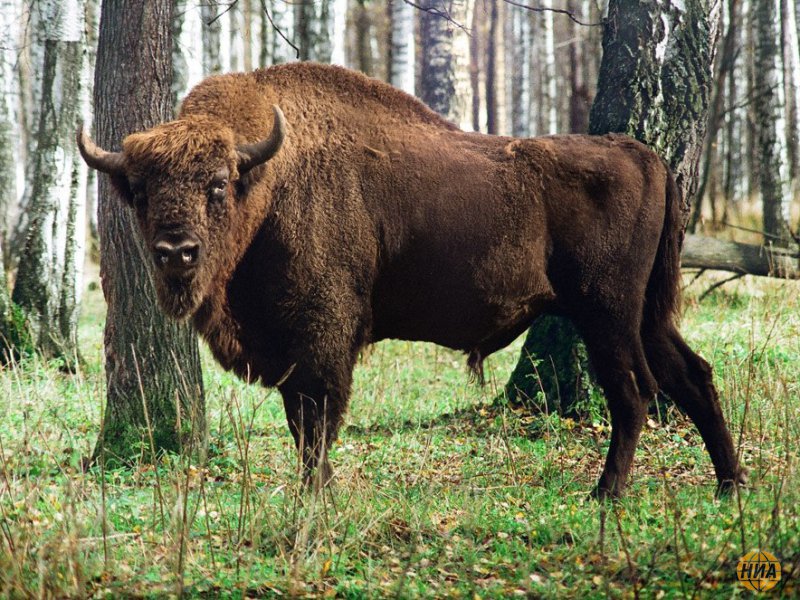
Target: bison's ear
<point>252,155</point>
<point>112,163</point>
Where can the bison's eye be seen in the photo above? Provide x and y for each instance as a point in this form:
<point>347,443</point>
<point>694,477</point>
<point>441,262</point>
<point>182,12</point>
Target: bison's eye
<point>139,195</point>
<point>218,190</point>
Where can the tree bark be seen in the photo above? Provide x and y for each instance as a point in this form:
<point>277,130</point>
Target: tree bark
<point>444,74</point>
<point>212,37</point>
<point>702,252</point>
<point>8,124</point>
<point>791,76</point>
<point>401,50</point>
<point>154,384</point>
<point>363,38</point>
<point>491,69</point>
<point>46,289</point>
<point>313,22</point>
<point>658,96</point>
<point>771,123</point>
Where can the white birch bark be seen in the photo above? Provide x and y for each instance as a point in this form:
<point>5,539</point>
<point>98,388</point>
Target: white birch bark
<point>235,39</point>
<point>444,74</point>
<point>521,73</point>
<point>549,75</point>
<point>791,70</point>
<point>180,64</point>
<point>771,122</point>
<point>461,11</point>
<point>401,68</point>
<point>9,140</point>
<point>338,21</point>
<point>48,277</point>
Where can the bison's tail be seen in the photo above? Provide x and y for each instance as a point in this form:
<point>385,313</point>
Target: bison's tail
<point>663,288</point>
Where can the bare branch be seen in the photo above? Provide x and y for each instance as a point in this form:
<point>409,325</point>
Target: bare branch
<point>559,11</point>
<point>444,14</point>
<point>219,15</point>
<point>278,30</point>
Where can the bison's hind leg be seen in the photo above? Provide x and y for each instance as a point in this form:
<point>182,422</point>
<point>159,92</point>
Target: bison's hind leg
<point>619,361</point>
<point>686,378</point>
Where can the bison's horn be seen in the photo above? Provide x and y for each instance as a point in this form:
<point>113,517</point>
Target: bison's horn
<point>112,163</point>
<point>252,155</point>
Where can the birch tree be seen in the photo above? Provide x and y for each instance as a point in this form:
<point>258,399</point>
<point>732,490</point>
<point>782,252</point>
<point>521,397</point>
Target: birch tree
<point>48,276</point>
<point>401,50</point>
<point>521,73</point>
<point>8,123</point>
<point>444,73</point>
<point>549,113</point>
<point>654,85</point>
<point>791,75</point>
<point>8,178</point>
<point>771,122</point>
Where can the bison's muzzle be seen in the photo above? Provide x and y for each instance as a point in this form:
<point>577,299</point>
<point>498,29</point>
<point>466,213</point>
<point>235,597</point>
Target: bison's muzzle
<point>176,254</point>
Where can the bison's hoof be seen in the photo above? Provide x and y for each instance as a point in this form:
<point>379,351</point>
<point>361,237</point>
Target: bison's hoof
<point>726,487</point>
<point>319,478</point>
<point>604,494</point>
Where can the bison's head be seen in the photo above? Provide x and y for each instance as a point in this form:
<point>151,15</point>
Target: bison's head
<point>185,181</point>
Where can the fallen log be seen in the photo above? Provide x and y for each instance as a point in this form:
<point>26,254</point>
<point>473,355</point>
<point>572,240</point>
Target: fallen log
<point>701,252</point>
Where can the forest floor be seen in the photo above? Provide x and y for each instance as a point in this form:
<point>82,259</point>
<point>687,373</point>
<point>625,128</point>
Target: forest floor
<point>440,491</point>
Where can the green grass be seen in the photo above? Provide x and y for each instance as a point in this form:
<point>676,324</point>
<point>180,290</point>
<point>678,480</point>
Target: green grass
<point>439,493</point>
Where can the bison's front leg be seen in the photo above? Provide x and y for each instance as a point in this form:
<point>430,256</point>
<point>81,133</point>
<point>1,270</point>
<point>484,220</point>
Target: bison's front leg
<point>314,410</point>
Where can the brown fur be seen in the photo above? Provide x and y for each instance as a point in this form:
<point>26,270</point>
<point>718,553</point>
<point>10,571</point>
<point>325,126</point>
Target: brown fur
<point>378,219</point>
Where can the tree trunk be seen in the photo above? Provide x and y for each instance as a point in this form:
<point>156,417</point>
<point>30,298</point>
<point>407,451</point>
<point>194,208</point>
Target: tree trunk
<point>401,50</point>
<point>661,98</point>
<point>212,37</point>
<point>521,73</point>
<point>491,68</point>
<point>233,13</point>
<point>313,22</point>
<point>180,68</point>
<point>8,125</point>
<point>549,83</point>
<point>154,384</point>
<point>791,75</point>
<point>716,117</point>
<point>282,51</point>
<point>578,89</point>
<point>338,27</point>
<point>444,74</point>
<point>771,123</point>
<point>9,331</point>
<point>46,289</point>
<point>701,252</point>
<point>363,38</point>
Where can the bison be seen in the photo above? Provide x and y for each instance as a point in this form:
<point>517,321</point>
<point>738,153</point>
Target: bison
<point>291,242</point>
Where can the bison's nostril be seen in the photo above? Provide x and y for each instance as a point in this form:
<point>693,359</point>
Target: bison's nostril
<point>176,255</point>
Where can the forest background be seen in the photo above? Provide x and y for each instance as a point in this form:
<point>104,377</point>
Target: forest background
<point>444,489</point>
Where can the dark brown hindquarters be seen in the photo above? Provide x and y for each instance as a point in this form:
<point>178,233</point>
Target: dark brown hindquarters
<point>683,375</point>
<point>636,350</point>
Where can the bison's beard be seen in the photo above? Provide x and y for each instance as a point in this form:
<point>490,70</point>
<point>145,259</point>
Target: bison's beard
<point>179,298</point>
